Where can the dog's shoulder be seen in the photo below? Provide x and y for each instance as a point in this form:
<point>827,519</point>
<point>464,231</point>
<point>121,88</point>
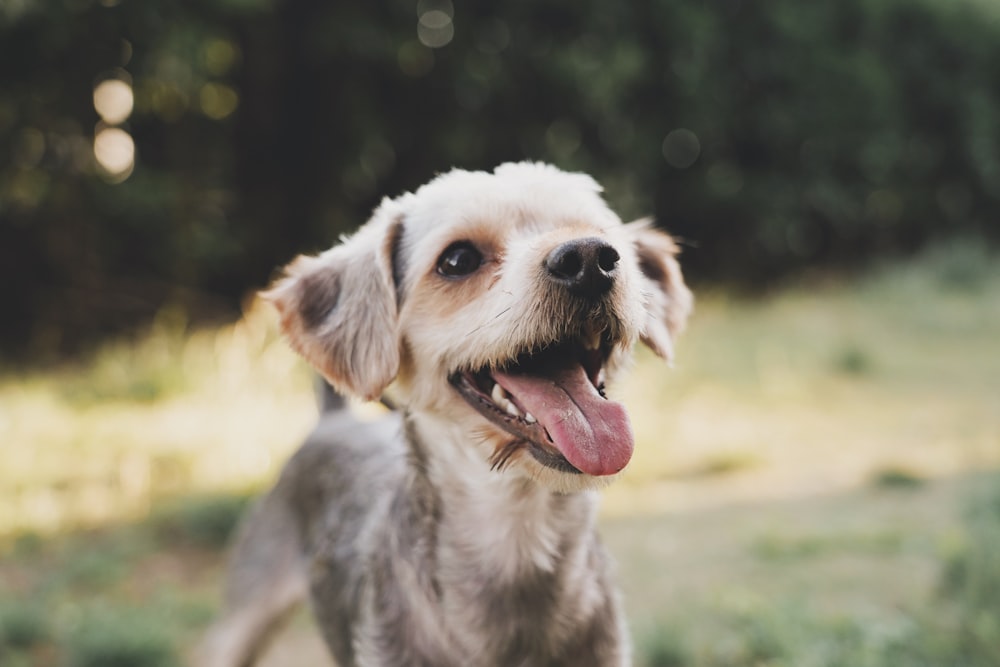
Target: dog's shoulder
<point>345,461</point>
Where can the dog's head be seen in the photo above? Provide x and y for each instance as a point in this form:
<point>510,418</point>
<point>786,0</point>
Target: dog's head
<point>501,302</point>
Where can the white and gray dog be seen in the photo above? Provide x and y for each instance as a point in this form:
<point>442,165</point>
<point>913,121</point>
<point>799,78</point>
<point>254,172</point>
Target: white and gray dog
<point>459,531</point>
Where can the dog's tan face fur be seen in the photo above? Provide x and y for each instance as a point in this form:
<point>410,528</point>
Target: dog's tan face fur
<point>451,281</point>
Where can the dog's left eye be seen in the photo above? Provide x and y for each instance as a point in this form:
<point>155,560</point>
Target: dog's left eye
<point>459,259</point>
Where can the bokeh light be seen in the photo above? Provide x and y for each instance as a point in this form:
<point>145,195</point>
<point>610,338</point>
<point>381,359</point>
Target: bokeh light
<point>217,101</point>
<point>115,153</point>
<point>113,100</point>
<point>681,148</point>
<point>415,59</point>
<point>725,178</point>
<point>434,26</point>
<point>220,56</point>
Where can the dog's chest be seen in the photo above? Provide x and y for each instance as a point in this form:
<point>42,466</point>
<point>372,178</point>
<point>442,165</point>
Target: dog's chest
<point>512,572</point>
<point>505,535</point>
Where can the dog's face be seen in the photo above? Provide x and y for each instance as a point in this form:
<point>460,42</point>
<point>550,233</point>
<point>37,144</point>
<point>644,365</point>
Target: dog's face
<point>501,303</point>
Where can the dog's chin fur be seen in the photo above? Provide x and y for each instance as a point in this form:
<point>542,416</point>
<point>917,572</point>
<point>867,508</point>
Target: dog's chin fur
<point>445,544</point>
<point>522,464</point>
<point>486,439</point>
<point>561,482</point>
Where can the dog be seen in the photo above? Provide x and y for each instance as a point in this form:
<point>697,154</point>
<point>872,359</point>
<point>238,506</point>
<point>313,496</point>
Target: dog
<point>459,530</point>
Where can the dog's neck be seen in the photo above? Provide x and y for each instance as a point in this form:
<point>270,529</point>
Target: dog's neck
<point>518,573</point>
<point>507,522</point>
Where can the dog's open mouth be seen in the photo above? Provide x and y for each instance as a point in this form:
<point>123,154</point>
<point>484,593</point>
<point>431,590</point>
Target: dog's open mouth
<point>552,401</point>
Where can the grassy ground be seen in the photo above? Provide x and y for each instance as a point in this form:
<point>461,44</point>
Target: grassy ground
<point>798,496</point>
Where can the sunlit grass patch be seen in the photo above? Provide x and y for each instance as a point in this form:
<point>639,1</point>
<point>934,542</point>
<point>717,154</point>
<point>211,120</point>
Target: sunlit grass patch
<point>725,463</point>
<point>81,447</point>
<point>784,547</point>
<point>142,371</point>
<point>853,359</point>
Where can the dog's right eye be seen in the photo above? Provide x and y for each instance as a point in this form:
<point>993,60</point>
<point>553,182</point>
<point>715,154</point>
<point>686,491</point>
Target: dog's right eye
<point>459,259</point>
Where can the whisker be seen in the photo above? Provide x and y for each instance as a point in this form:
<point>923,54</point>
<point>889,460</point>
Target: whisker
<point>482,434</point>
<point>495,317</point>
<point>501,457</point>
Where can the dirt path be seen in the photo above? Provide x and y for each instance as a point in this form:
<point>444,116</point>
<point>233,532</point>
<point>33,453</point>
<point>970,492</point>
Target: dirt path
<point>299,646</point>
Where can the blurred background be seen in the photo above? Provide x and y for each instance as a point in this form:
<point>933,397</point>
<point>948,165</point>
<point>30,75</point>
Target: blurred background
<point>816,483</point>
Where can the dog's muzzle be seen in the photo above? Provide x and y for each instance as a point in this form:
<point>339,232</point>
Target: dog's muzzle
<point>552,402</point>
<point>550,397</point>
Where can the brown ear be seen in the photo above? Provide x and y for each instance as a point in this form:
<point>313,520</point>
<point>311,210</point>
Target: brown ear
<point>669,301</point>
<point>338,310</point>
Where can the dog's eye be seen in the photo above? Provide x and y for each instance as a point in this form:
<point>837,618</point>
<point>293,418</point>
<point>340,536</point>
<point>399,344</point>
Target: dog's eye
<point>459,259</point>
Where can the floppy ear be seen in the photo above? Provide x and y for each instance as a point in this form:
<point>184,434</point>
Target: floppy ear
<point>338,310</point>
<point>669,299</point>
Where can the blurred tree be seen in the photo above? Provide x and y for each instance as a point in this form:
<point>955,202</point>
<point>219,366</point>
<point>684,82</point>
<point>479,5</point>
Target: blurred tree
<point>772,136</point>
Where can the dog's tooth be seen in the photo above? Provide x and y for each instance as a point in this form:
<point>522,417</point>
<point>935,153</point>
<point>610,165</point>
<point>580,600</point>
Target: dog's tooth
<point>530,418</point>
<point>502,400</point>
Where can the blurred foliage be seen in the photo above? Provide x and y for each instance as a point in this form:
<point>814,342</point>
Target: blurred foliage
<point>898,477</point>
<point>771,136</point>
<point>204,521</point>
<point>120,638</point>
<point>21,626</point>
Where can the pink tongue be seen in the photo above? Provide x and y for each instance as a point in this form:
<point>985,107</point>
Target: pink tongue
<point>593,433</point>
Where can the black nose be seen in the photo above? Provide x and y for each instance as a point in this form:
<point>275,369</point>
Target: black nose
<point>585,267</point>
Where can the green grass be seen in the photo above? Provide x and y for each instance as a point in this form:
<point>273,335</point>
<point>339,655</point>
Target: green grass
<point>128,594</point>
<point>83,445</point>
<point>796,496</point>
<point>773,547</point>
<point>954,622</point>
<point>972,573</point>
